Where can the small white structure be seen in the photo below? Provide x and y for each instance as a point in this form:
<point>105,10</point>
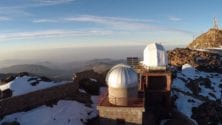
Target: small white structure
<point>122,83</point>
<point>155,56</point>
<point>188,70</point>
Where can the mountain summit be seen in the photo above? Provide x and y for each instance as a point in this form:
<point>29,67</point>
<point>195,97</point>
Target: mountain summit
<point>210,39</point>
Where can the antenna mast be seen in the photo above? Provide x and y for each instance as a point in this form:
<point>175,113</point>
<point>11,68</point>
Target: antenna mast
<point>215,23</point>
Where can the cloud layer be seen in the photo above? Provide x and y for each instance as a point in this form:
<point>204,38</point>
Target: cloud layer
<point>117,23</point>
<point>173,18</point>
<point>20,7</point>
<point>76,25</point>
<point>4,18</point>
<point>52,33</point>
<point>100,25</point>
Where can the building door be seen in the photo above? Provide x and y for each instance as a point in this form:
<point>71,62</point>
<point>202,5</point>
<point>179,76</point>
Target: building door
<point>154,92</point>
<point>120,121</point>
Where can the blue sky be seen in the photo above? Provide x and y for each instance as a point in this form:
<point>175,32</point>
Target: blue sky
<point>48,24</point>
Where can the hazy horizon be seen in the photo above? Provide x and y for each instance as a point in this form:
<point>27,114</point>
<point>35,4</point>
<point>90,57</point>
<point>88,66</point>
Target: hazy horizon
<point>65,55</point>
<point>69,30</point>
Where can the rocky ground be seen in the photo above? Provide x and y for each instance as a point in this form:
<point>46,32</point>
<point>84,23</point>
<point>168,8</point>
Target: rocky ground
<point>197,83</point>
<point>198,95</point>
<point>201,60</point>
<point>210,39</point>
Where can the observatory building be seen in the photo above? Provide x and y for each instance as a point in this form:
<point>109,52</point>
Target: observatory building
<point>155,78</point>
<point>123,85</point>
<point>137,92</point>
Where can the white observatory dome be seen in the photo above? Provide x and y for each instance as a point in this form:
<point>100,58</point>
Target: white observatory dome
<point>155,55</point>
<point>122,83</point>
<point>122,76</point>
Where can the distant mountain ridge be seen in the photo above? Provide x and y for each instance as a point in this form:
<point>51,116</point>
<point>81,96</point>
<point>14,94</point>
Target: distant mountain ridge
<point>32,68</point>
<point>62,71</point>
<point>26,67</point>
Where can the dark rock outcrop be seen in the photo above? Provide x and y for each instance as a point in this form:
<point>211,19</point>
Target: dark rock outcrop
<point>100,77</point>
<point>45,79</point>
<point>7,79</point>
<point>35,80</point>
<point>11,123</point>
<point>205,82</point>
<point>89,86</point>
<point>5,94</point>
<point>21,74</point>
<point>194,86</point>
<point>209,113</point>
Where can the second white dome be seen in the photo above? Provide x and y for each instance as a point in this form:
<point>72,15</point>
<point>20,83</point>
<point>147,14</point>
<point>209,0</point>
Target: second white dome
<point>155,55</point>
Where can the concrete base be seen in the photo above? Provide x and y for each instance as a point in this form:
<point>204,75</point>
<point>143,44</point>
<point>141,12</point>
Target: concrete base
<point>122,96</point>
<point>121,115</point>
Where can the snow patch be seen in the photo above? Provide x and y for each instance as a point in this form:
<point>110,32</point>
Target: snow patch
<point>94,80</point>
<point>185,103</point>
<point>83,91</point>
<point>188,70</point>
<point>22,85</point>
<point>179,84</point>
<point>64,113</point>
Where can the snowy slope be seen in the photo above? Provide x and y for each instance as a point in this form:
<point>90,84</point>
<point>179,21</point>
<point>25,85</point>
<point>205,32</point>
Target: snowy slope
<point>26,84</point>
<point>186,99</point>
<point>75,113</point>
<point>185,103</point>
<point>64,113</point>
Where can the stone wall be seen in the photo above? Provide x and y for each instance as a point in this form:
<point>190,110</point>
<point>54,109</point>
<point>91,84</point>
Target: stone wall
<point>37,98</point>
<point>121,115</point>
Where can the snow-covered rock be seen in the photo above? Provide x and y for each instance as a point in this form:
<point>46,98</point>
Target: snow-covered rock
<point>185,103</point>
<point>209,87</point>
<point>64,113</point>
<point>25,84</point>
